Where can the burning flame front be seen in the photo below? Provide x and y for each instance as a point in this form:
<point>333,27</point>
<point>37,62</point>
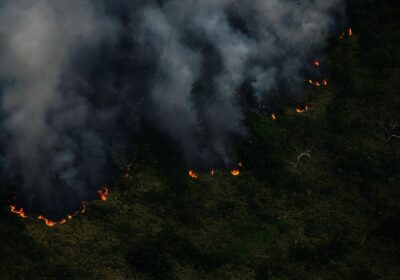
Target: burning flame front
<point>103,193</point>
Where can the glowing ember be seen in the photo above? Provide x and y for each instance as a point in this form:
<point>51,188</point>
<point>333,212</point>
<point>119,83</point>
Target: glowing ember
<point>19,212</point>
<point>83,210</point>
<point>318,83</point>
<point>302,110</point>
<point>273,116</point>
<point>235,172</point>
<point>103,193</point>
<point>213,172</point>
<point>126,170</point>
<point>350,32</point>
<point>193,174</point>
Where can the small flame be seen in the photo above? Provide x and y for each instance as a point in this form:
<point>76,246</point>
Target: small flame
<point>193,174</point>
<point>316,63</point>
<point>273,116</point>
<point>302,110</point>
<point>213,172</point>
<point>350,32</point>
<point>103,193</point>
<point>235,172</point>
<point>318,83</point>
<point>19,212</point>
<point>48,222</point>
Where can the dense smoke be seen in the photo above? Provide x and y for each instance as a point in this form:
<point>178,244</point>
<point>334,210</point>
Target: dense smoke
<point>79,76</point>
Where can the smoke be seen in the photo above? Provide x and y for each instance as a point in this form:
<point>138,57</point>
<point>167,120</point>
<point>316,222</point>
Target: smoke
<point>78,76</point>
<point>219,45</point>
<point>50,147</point>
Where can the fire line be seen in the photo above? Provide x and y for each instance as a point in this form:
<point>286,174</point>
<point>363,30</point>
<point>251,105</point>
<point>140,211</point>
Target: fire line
<point>103,193</point>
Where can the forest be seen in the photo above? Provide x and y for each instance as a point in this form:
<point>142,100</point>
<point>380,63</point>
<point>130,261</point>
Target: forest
<point>317,197</point>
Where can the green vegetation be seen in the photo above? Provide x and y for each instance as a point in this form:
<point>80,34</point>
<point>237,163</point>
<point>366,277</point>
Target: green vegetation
<point>334,215</point>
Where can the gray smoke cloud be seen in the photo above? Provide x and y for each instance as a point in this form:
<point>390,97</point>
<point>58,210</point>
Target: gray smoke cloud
<point>268,42</point>
<point>49,142</point>
<point>71,70</point>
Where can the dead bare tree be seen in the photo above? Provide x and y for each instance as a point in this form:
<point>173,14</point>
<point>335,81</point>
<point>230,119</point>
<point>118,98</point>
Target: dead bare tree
<point>300,155</point>
<point>392,130</point>
<point>299,236</point>
<point>127,165</point>
<point>364,238</point>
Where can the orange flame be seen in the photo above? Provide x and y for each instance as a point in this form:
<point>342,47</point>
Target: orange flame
<point>48,222</point>
<point>19,212</point>
<point>103,193</point>
<point>350,32</point>
<point>193,174</point>
<point>273,116</point>
<point>235,172</point>
<point>213,172</point>
<point>302,110</point>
